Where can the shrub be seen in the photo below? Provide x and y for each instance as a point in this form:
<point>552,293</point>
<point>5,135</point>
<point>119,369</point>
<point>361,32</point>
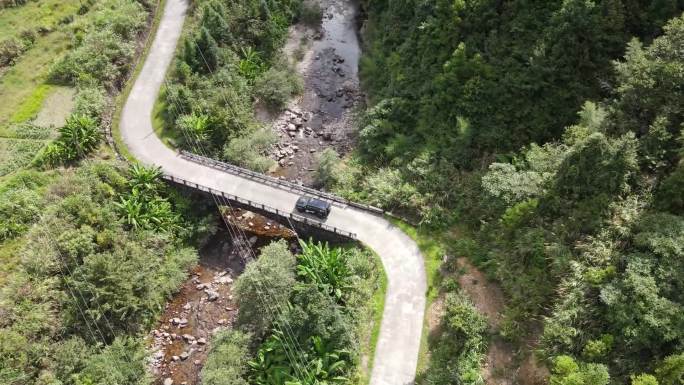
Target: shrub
<point>644,379</point>
<point>11,3</point>
<point>386,188</point>
<point>103,56</point>
<point>130,283</point>
<point>669,195</point>
<point>326,168</point>
<point>566,371</point>
<point>77,138</point>
<point>122,362</point>
<point>276,86</point>
<point>458,350</point>
<point>18,208</point>
<point>519,213</point>
<point>10,49</point>
<point>227,359</point>
<point>123,17</point>
<point>311,13</point>
<point>265,285</point>
<point>91,102</point>
<point>246,151</point>
<point>671,370</point>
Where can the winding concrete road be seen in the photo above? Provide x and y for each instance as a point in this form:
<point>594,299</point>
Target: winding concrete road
<point>397,349</point>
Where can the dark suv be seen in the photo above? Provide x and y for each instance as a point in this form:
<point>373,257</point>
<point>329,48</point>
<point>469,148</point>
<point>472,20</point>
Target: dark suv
<point>315,206</point>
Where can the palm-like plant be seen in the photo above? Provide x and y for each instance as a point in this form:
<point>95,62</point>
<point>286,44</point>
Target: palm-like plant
<point>144,179</point>
<point>198,125</point>
<point>251,64</point>
<point>324,364</point>
<point>325,267</point>
<point>272,366</point>
<point>142,207</point>
<point>79,136</point>
<point>131,210</point>
<point>328,365</point>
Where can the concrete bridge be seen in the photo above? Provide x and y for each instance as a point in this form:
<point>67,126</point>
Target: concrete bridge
<point>397,348</point>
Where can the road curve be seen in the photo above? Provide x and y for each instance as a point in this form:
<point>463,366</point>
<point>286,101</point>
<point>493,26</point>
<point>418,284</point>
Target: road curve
<point>397,349</point>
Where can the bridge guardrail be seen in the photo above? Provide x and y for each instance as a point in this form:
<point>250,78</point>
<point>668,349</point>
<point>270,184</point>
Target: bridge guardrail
<point>227,167</point>
<point>287,214</point>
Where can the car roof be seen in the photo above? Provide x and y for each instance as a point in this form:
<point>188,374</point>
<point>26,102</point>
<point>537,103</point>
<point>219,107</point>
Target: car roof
<point>319,203</point>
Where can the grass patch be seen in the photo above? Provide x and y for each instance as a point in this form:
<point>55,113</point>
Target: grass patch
<point>36,14</point>
<point>17,153</point>
<point>9,257</point>
<point>433,247</point>
<point>372,332</point>
<point>23,88</point>
<point>27,131</point>
<point>167,134</point>
<point>56,108</point>
<point>123,95</point>
<point>30,107</point>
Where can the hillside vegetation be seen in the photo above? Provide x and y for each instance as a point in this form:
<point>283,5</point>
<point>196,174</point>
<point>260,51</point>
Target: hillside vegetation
<point>90,249</point>
<point>302,320</point>
<point>552,134</point>
<point>51,46</point>
<point>227,60</point>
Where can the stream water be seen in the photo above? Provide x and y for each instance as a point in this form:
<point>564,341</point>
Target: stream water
<point>322,117</point>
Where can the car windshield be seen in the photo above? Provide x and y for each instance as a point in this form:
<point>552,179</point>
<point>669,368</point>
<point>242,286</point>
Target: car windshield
<point>303,200</point>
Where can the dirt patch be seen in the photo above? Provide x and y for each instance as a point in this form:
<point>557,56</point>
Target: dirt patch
<point>487,296</point>
<point>257,225</point>
<point>435,313</point>
<point>506,363</point>
<point>56,108</point>
<point>323,116</point>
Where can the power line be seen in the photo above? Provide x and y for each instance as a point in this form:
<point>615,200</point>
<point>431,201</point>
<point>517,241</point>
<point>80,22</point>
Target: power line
<point>289,339</point>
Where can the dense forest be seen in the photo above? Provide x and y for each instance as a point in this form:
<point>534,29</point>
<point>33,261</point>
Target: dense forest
<point>551,133</point>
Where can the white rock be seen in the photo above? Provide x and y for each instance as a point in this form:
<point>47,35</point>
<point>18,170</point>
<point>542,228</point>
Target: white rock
<point>212,295</point>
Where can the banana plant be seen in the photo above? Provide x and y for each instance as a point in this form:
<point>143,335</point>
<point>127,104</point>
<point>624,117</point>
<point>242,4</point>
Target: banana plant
<point>274,365</point>
<point>271,365</point>
<point>142,207</point>
<point>198,125</point>
<point>329,365</point>
<point>251,64</point>
<point>131,211</point>
<point>325,267</point>
<point>144,179</point>
<point>79,136</point>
